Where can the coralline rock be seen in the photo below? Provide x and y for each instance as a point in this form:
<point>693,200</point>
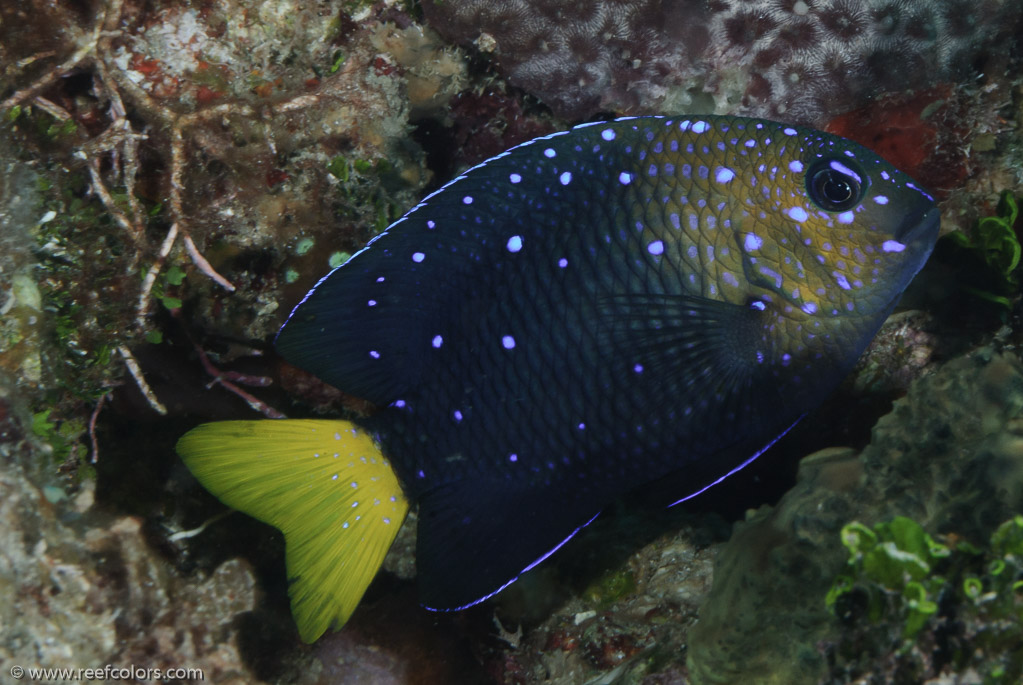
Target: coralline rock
<point>308,153</point>
<point>801,60</point>
<point>628,624</point>
<point>76,596</point>
<point>583,56</point>
<point>949,455</point>
<point>21,315</point>
<point>297,137</point>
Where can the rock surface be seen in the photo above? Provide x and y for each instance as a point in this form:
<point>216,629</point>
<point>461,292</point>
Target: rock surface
<point>949,455</point>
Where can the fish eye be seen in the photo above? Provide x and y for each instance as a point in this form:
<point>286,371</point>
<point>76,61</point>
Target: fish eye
<point>835,185</point>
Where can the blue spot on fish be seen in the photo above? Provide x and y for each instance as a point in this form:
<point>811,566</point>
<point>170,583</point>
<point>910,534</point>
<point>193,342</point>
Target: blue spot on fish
<point>798,214</point>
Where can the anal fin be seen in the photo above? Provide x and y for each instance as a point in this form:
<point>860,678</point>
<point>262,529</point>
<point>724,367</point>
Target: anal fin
<point>475,539</point>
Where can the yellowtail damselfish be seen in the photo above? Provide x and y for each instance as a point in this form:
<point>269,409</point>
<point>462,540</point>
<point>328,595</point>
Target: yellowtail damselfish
<point>567,321</point>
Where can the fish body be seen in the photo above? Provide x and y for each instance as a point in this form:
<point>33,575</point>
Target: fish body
<point>595,309</point>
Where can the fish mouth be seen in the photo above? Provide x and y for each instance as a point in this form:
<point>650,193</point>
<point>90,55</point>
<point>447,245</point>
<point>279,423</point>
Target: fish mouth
<point>919,227</point>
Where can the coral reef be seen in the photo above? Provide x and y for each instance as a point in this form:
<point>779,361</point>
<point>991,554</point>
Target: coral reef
<point>174,176</point>
<point>21,325</point>
<point>82,589</point>
<point>628,610</point>
<point>170,175</point>
<point>800,60</point>
<point>193,152</point>
<point>948,456</point>
<point>257,105</point>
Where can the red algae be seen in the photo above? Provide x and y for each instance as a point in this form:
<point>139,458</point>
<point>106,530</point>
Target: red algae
<point>909,131</point>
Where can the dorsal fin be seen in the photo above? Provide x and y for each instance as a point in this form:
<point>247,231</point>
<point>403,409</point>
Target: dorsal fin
<point>364,327</point>
<point>354,329</point>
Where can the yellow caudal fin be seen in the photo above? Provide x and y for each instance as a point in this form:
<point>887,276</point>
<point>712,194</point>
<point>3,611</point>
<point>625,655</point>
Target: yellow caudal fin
<point>325,485</point>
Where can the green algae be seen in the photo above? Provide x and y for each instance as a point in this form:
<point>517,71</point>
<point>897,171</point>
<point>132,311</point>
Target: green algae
<point>366,190</point>
<point>992,251</point>
<point>303,246</point>
<point>894,561</point>
<point>955,603</point>
<point>610,588</point>
<point>63,436</point>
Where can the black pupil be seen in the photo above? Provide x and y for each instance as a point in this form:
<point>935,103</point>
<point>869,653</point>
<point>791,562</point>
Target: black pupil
<point>834,187</point>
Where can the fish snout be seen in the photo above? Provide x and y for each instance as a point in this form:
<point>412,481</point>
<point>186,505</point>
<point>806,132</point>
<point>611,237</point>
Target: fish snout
<point>919,227</point>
